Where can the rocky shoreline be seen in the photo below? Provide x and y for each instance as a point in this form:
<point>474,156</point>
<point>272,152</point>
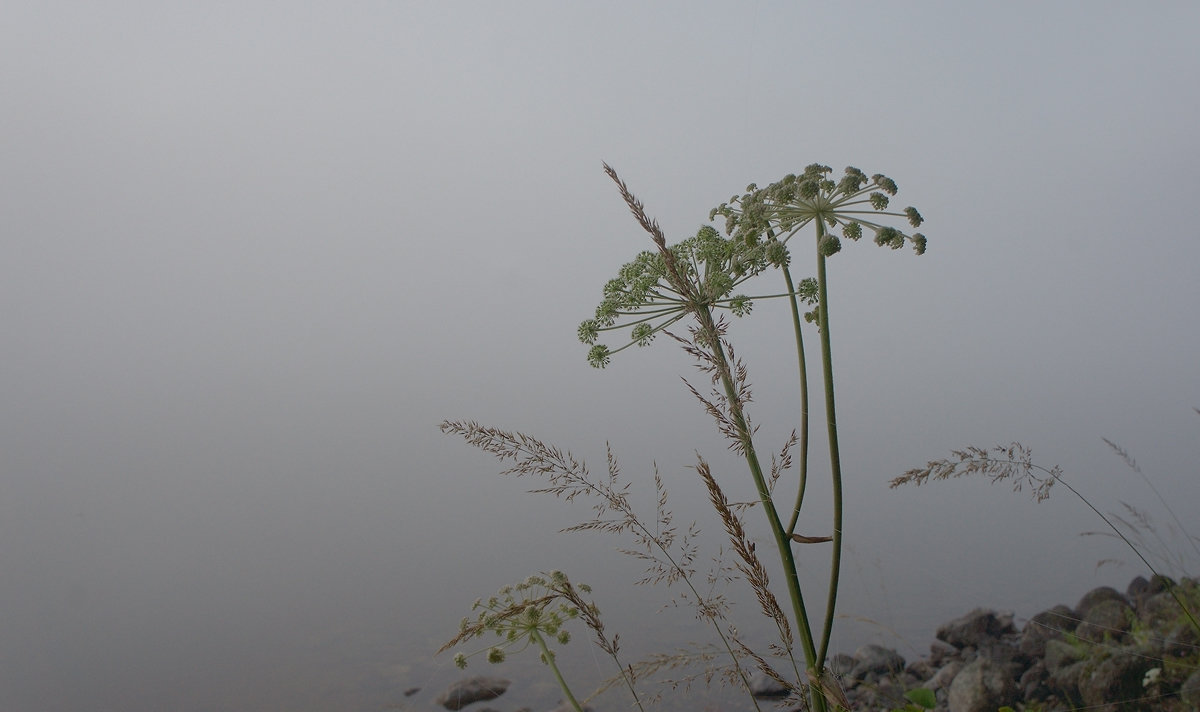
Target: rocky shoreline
<point>1111,652</point>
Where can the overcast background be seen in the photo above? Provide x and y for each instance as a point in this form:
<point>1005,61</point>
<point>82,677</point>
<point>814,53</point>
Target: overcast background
<point>254,252</point>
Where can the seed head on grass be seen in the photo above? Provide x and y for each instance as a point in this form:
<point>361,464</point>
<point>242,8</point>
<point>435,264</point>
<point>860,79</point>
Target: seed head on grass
<point>1013,462</point>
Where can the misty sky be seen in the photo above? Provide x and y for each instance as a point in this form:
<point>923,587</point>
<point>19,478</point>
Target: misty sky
<point>254,252</point>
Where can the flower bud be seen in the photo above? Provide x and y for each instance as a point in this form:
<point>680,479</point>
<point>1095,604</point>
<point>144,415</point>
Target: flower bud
<point>599,356</point>
<point>829,245</point>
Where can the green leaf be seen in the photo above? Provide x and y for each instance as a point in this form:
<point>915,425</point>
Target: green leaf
<point>922,697</point>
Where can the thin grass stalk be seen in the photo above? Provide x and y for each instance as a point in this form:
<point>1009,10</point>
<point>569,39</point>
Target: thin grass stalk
<point>1170,584</point>
<point>1132,465</point>
<point>835,461</point>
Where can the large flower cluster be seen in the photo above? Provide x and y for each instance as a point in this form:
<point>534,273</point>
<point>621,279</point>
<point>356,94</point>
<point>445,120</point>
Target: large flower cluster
<point>852,203</point>
<point>647,298</point>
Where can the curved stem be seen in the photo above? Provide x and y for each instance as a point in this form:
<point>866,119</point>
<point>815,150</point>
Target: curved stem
<point>803,468</point>
<point>835,462</point>
<point>549,658</point>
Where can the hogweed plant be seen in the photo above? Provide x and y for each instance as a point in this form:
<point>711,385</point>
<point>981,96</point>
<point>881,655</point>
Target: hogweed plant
<point>694,284</point>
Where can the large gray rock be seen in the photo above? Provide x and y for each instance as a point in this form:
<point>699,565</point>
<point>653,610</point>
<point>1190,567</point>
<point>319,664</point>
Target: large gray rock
<point>841,664</point>
<point>1052,624</point>
<point>1114,679</point>
<point>875,661</point>
<point>472,689</point>
<point>1032,682</point>
<point>982,686</point>
<point>1108,619</point>
<point>975,628</point>
<point>944,676</point>
<point>1189,691</point>
<point>1059,654</point>
<point>1181,641</point>
<point>1096,595</point>
<point>1158,610</point>
<point>766,686</point>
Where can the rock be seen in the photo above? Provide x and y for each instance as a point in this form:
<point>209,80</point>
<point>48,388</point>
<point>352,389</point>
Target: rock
<point>974,628</point>
<point>982,686</point>
<point>875,660</point>
<point>1059,654</point>
<point>1116,678</point>
<point>920,670</point>
<point>1189,691</point>
<point>472,689</point>
<point>1052,624</point>
<point>1158,609</point>
<point>1065,680</point>
<point>1181,641</point>
<point>841,664</point>
<point>1108,619</point>
<point>944,676</point>
<point>1096,595</point>
<point>998,651</point>
<point>1033,682</point>
<point>941,651</point>
<point>765,686</point>
<point>1139,589</point>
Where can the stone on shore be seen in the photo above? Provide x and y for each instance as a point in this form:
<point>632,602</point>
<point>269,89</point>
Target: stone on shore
<point>472,689</point>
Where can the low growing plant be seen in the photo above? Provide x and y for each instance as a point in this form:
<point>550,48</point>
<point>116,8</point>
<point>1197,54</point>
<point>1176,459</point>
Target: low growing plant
<point>1137,531</point>
<point>691,285</point>
<point>533,613</point>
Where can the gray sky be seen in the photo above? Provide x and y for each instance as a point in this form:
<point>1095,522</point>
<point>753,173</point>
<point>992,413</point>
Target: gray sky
<point>254,252</point>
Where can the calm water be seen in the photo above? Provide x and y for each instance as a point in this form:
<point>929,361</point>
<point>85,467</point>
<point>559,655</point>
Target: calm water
<point>268,577</point>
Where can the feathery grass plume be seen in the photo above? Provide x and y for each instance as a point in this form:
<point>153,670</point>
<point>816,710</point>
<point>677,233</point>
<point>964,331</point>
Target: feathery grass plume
<point>1015,462</point>
<point>748,562</point>
<point>681,659</point>
<point>669,557</point>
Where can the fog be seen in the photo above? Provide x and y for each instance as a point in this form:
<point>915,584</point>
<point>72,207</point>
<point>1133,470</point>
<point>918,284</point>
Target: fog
<point>255,253</point>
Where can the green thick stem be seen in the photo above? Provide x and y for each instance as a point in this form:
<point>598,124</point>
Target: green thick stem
<point>802,470</point>
<point>782,539</point>
<point>549,658</point>
<point>835,461</point>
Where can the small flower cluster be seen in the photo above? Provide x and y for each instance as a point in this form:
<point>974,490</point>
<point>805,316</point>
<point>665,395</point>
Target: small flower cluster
<point>784,208</point>
<point>531,611</point>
